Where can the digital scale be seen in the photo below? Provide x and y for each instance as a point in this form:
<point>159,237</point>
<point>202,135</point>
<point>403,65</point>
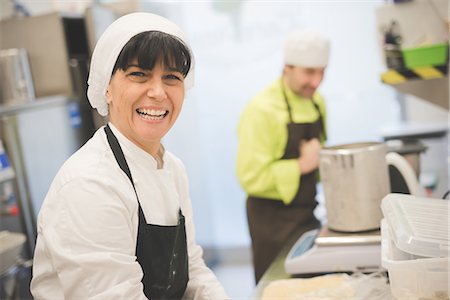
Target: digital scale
<point>325,251</point>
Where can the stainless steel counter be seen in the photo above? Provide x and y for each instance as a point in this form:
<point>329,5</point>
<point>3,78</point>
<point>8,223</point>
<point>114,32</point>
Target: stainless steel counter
<point>12,108</point>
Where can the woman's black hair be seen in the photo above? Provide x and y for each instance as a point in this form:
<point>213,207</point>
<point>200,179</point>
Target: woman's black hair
<point>150,47</point>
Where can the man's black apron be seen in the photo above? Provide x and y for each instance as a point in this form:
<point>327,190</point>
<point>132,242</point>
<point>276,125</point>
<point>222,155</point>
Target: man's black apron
<point>274,225</point>
<point>160,250</point>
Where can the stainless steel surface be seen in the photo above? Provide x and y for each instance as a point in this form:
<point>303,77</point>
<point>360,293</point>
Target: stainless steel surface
<point>329,238</point>
<point>410,149</point>
<point>326,251</point>
<point>16,83</point>
<point>44,38</point>
<point>38,138</point>
<point>355,179</point>
<point>8,132</point>
<point>10,247</point>
<point>434,173</point>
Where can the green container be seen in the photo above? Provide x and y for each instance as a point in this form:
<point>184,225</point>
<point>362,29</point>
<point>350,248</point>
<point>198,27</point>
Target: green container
<point>425,56</point>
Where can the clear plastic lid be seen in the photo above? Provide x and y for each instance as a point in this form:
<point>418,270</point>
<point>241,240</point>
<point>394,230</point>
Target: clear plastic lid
<point>419,226</point>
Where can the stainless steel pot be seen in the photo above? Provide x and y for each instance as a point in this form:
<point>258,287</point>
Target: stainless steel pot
<point>355,179</point>
<point>16,84</point>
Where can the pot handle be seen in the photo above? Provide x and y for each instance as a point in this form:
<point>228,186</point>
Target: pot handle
<point>407,172</point>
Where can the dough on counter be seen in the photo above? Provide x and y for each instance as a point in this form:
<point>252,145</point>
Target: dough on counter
<point>330,286</point>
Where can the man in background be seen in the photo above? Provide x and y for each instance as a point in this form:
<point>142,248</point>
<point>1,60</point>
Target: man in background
<point>280,135</point>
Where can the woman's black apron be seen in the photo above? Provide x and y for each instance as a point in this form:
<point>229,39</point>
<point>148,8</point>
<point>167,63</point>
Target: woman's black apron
<point>160,250</point>
<point>274,225</point>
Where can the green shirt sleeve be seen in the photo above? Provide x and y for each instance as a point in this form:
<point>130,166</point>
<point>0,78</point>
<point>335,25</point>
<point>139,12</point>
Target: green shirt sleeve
<point>262,139</point>
<point>287,178</point>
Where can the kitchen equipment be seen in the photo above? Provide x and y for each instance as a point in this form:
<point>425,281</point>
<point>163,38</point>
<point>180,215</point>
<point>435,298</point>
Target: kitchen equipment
<point>16,83</point>
<point>38,137</point>
<point>324,251</point>
<point>392,46</point>
<point>12,265</point>
<point>10,247</point>
<point>434,174</point>
<point>416,246</point>
<point>410,150</point>
<point>355,179</point>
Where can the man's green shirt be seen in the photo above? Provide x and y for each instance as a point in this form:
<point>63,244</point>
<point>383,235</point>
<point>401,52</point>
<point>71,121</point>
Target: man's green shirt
<point>262,133</point>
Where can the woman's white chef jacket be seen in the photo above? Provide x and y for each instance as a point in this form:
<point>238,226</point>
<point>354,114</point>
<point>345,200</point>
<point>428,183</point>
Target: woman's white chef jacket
<point>88,223</point>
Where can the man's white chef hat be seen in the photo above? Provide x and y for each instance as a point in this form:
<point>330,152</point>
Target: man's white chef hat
<point>306,48</point>
<point>110,45</point>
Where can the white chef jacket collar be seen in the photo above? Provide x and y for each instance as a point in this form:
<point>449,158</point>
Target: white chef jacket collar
<point>134,150</point>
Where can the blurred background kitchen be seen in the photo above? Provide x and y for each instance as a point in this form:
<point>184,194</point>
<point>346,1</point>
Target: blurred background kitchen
<point>45,116</point>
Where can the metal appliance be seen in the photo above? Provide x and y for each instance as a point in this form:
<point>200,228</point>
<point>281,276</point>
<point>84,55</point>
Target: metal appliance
<point>433,166</point>
<point>355,179</point>
<point>16,83</point>
<point>61,69</point>
<point>38,137</point>
<point>41,132</point>
<point>43,128</point>
<point>410,150</point>
<point>325,251</point>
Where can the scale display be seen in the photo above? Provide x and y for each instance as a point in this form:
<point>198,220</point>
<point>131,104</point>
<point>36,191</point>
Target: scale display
<point>323,251</point>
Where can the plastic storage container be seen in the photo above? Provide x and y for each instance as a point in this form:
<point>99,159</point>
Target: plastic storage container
<point>415,246</point>
<point>425,56</point>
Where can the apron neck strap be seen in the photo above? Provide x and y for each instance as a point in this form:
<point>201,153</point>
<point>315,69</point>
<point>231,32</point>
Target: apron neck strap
<point>118,153</point>
<point>120,158</point>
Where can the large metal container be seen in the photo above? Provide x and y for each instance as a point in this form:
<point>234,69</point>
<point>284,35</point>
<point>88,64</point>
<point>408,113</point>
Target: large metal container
<point>355,179</point>
<point>16,83</point>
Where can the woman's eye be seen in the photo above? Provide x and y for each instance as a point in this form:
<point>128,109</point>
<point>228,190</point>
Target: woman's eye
<point>137,74</point>
<point>173,77</point>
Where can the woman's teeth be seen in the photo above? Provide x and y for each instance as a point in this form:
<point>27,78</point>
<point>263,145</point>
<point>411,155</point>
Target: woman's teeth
<point>152,114</point>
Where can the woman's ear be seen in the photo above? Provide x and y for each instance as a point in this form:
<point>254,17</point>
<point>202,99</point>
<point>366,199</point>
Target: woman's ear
<point>108,96</point>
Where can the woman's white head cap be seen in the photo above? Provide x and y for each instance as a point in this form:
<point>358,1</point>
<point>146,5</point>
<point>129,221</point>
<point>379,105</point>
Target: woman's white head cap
<point>110,45</point>
<point>306,48</point>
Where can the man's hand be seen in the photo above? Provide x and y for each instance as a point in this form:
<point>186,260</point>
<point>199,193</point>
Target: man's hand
<point>309,155</point>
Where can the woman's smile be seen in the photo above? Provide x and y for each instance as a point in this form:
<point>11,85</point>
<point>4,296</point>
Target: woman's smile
<point>152,114</point>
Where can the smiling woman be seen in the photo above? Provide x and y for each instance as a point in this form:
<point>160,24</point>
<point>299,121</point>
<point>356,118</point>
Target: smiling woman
<point>117,220</point>
<point>144,104</point>
<point>148,82</point>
